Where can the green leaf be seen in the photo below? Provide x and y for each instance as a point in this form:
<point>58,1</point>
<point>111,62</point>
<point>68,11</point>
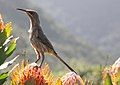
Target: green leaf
<point>2,55</point>
<point>6,64</point>
<point>108,80</point>
<point>7,40</point>
<point>3,77</point>
<point>11,47</point>
<point>2,38</point>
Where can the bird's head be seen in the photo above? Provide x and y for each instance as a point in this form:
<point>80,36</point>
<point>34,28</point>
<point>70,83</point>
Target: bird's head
<point>34,17</point>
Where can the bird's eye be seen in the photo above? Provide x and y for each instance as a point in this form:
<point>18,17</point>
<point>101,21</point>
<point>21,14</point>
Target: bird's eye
<point>31,13</point>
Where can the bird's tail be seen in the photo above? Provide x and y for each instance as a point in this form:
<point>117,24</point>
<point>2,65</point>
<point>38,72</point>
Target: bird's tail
<point>64,62</point>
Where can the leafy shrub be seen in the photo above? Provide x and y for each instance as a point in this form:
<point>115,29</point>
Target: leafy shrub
<point>7,47</point>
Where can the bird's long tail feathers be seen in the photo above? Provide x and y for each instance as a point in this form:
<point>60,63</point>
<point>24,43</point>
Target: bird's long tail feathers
<point>64,62</point>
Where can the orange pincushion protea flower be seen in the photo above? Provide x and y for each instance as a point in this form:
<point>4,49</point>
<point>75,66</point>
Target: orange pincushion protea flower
<point>1,23</point>
<point>70,78</point>
<point>31,74</point>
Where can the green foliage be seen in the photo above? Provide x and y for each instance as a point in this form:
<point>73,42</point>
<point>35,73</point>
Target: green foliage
<point>3,77</point>
<point>7,47</point>
<point>107,80</point>
<point>11,47</point>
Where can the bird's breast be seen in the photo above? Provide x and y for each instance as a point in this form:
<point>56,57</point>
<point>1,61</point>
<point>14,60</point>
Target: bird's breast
<point>30,30</point>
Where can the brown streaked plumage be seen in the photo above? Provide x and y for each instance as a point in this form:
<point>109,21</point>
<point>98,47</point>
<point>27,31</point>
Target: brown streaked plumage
<point>38,40</point>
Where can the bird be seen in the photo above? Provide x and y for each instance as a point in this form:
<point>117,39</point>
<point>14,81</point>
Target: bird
<point>38,39</point>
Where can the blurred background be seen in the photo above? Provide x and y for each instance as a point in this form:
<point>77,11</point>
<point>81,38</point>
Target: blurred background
<point>85,33</point>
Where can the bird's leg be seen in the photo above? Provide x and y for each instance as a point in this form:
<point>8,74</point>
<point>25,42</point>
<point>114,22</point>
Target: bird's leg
<point>38,58</point>
<point>38,55</point>
<point>43,57</point>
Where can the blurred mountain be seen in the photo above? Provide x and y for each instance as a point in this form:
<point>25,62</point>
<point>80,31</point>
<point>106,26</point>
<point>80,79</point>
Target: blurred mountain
<point>97,21</point>
<point>62,36</point>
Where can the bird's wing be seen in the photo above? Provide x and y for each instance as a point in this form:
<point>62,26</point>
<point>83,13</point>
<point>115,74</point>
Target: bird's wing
<point>43,39</point>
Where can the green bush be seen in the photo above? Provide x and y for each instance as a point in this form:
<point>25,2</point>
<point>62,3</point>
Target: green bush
<point>7,47</point>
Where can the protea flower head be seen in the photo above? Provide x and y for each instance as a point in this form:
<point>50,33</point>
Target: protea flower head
<point>70,78</point>
<point>31,74</point>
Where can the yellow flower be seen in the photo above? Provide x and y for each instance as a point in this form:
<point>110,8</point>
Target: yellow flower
<point>31,74</point>
<point>70,78</point>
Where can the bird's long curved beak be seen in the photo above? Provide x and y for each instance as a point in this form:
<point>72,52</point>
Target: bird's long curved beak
<point>25,10</point>
<point>28,12</point>
<point>22,9</point>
